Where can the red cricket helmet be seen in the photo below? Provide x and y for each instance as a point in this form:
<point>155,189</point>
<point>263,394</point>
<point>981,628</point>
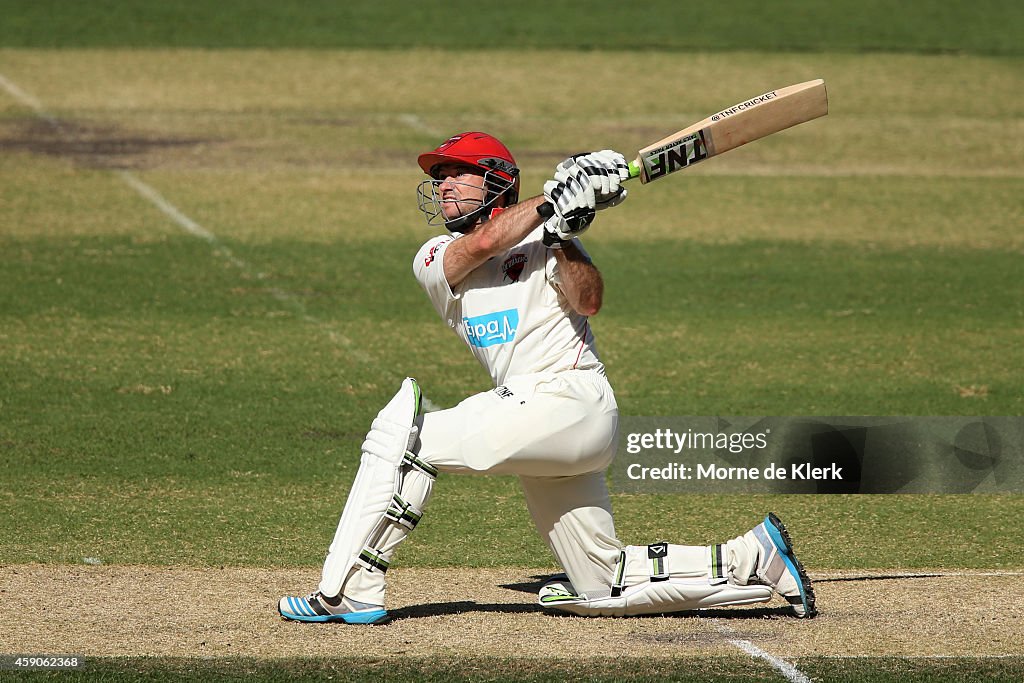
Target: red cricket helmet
<point>482,151</point>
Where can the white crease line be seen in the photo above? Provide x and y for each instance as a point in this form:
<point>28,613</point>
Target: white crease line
<point>790,672</point>
<point>294,304</point>
<point>156,199</point>
<point>172,211</point>
<point>29,101</point>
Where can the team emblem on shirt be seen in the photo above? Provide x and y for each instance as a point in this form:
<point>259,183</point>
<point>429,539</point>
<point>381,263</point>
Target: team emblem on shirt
<point>513,267</point>
<point>433,252</point>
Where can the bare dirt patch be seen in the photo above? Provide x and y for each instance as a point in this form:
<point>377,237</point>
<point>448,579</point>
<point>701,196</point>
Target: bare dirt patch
<point>91,145</point>
<point>157,611</point>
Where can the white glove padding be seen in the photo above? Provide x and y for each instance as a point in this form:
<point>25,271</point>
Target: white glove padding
<point>573,204</point>
<point>571,192</point>
<point>605,169</point>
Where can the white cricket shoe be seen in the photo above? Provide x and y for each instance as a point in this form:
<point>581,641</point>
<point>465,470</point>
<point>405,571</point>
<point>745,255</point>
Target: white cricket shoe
<point>778,567</point>
<point>317,607</point>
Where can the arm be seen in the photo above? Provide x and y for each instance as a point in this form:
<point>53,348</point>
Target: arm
<point>581,281</point>
<point>505,230</point>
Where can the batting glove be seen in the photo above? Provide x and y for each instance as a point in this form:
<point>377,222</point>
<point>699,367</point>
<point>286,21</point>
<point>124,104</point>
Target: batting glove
<point>574,204</point>
<point>605,169</point>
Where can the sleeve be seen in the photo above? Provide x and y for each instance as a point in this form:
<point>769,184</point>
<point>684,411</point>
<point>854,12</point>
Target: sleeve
<point>429,271</point>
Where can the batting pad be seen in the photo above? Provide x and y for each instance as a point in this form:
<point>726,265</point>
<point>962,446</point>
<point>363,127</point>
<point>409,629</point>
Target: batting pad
<point>386,501</point>
<point>670,595</point>
<point>660,577</point>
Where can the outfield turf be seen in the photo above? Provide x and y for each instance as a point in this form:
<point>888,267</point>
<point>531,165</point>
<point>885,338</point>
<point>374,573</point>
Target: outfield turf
<point>198,398</point>
<point>980,26</point>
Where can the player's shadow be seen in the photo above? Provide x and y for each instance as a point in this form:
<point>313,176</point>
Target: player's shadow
<point>878,577</point>
<point>444,609</point>
<point>534,585</point>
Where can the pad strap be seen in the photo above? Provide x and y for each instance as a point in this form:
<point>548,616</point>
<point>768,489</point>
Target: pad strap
<point>370,559</point>
<point>620,575</point>
<point>717,569</point>
<point>657,553</point>
<point>413,460</point>
<point>404,513</point>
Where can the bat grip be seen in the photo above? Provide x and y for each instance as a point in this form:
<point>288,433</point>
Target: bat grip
<point>547,209</point>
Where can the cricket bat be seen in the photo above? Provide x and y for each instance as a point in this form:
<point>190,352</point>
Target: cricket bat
<point>730,128</point>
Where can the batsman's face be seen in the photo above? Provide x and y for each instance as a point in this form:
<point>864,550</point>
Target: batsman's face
<point>460,190</point>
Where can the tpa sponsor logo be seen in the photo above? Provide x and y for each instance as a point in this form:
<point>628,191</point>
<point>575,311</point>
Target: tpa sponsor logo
<point>492,329</point>
<point>513,267</point>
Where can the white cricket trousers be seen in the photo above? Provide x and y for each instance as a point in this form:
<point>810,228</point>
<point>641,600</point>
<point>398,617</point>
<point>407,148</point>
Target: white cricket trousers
<point>556,431</point>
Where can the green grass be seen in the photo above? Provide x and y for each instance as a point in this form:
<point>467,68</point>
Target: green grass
<point>980,27</point>
<point>155,389</point>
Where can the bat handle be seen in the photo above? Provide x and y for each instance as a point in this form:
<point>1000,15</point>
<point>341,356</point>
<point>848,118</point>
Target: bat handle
<point>547,209</point>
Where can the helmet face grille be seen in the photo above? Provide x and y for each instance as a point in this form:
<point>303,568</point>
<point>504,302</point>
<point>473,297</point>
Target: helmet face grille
<point>430,202</point>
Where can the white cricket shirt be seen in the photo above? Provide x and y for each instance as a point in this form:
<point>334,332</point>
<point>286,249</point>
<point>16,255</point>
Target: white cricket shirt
<point>510,311</point>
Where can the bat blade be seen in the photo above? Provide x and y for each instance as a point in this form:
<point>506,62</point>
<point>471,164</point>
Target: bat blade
<point>731,128</point>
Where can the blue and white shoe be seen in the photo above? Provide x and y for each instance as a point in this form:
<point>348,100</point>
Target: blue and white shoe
<point>316,607</point>
<point>778,567</point>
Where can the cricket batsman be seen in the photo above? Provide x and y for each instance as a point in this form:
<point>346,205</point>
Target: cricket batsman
<point>518,288</point>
